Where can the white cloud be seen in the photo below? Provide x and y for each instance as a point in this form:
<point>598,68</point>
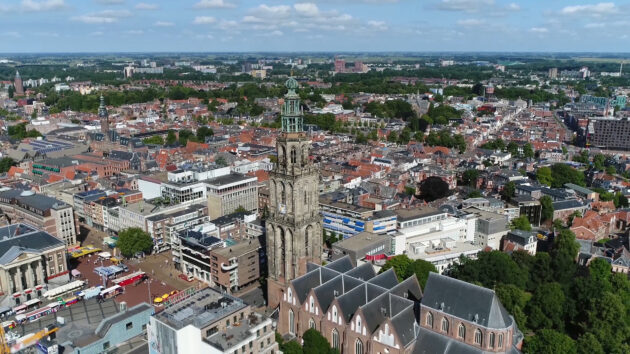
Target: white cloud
<point>471,22</point>
<point>539,30</point>
<point>513,7</point>
<point>378,25</point>
<point>164,24</point>
<point>274,12</point>
<point>214,4</point>
<point>276,33</point>
<point>46,5</point>
<point>463,5</point>
<point>227,25</point>
<point>96,34</point>
<point>591,9</point>
<point>204,20</point>
<point>110,2</point>
<point>146,6</point>
<point>307,9</point>
<point>135,32</point>
<point>103,17</point>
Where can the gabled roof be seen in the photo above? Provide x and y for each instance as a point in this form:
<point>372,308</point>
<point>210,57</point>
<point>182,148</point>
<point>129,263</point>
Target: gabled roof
<point>466,301</point>
<point>401,322</point>
<point>341,265</point>
<point>429,342</point>
<point>386,280</point>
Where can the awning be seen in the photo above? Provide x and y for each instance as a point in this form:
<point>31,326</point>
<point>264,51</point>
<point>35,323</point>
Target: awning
<point>39,287</point>
<point>75,273</point>
<point>28,291</point>
<point>17,294</point>
<point>105,255</point>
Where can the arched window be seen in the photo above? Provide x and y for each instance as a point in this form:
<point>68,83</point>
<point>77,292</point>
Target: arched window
<point>491,340</point>
<point>335,339</point>
<point>430,319</point>
<point>478,337</point>
<point>358,347</point>
<point>359,324</point>
<point>283,156</point>
<point>312,304</point>
<point>291,322</point>
<point>334,311</point>
<point>500,340</point>
<point>444,325</point>
<point>311,323</point>
<point>461,331</point>
<point>293,155</point>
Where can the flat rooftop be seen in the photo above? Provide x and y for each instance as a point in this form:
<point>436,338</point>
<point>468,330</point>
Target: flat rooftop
<point>411,214</point>
<point>238,249</point>
<point>200,310</point>
<point>228,179</point>
<point>360,241</point>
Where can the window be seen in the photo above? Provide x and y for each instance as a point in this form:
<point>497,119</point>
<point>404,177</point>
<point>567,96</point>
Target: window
<point>429,320</point>
<point>335,339</point>
<point>358,347</point>
<point>106,345</point>
<point>461,331</point>
<point>444,325</point>
<point>478,337</point>
<point>311,323</point>
<point>359,324</point>
<point>129,325</point>
<point>291,322</point>
<point>500,340</point>
<point>491,340</point>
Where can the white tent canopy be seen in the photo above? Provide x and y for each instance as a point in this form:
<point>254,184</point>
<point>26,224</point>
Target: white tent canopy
<point>64,288</point>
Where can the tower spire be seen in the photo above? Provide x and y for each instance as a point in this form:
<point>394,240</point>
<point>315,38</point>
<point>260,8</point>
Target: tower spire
<point>292,120</point>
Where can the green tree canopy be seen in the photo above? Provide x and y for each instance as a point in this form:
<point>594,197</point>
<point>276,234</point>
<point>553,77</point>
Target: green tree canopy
<point>434,188</point>
<point>469,177</point>
<point>316,343</point>
<point>549,341</point>
<point>562,174</point>
<point>134,240</point>
<point>547,208</point>
<point>543,175</point>
<point>6,163</point>
<point>521,223</point>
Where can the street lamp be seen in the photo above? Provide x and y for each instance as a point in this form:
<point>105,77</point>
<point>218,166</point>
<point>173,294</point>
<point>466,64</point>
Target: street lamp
<point>149,286</point>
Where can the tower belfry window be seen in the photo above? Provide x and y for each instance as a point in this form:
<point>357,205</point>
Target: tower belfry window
<point>293,155</point>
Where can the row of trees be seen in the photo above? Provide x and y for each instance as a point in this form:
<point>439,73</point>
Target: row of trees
<point>560,306</point>
<point>559,174</point>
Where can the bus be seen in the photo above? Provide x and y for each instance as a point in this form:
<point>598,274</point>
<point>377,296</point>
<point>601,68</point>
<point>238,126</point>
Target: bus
<point>46,310</point>
<point>90,293</point>
<point>112,292</point>
<point>33,304</point>
<point>133,278</point>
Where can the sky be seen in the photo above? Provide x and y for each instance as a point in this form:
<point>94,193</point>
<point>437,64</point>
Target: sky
<point>313,25</point>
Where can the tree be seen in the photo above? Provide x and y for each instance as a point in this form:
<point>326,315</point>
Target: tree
<point>469,177</point>
<point>563,255</point>
<point>474,194</point>
<point>291,347</point>
<point>543,175</point>
<point>620,200</point>
<point>154,140</point>
<point>392,137</point>
<point>546,308</point>
<point>508,190</point>
<point>204,132</point>
<point>315,343</point>
<point>611,170</point>
<point>421,269</point>
<point>400,264</point>
<point>528,151</point>
<point>598,161</point>
<point>134,240</point>
<point>549,341</point>
<point>361,138</point>
<point>547,208</point>
<point>433,188</point>
<point>521,223</point>
<point>588,344</point>
<point>171,138</point>
<point>490,269</point>
<point>241,209</point>
<point>562,174</point>
<point>511,296</point>
<point>220,161</point>
<point>5,164</point>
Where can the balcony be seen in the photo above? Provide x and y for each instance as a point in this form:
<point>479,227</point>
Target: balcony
<point>229,267</point>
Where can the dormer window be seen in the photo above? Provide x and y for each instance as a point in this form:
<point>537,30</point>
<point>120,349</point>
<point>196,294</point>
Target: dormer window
<point>429,321</point>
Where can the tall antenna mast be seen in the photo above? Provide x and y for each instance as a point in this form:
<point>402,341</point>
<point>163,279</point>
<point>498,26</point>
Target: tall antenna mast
<point>621,69</point>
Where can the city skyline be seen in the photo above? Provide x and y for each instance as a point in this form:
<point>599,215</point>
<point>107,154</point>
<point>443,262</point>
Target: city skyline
<point>64,26</point>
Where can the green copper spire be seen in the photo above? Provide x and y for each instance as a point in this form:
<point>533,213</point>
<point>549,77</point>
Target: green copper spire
<point>292,121</point>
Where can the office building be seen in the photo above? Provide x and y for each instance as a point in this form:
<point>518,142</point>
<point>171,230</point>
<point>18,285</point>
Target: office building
<point>48,214</point>
<point>608,133</point>
<point>230,192</point>
<point>207,321</point>
<point>17,84</point>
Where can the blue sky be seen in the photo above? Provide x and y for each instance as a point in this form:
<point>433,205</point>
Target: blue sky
<point>315,25</point>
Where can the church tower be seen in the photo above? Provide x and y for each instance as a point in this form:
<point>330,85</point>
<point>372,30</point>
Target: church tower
<point>104,117</point>
<point>294,223</point>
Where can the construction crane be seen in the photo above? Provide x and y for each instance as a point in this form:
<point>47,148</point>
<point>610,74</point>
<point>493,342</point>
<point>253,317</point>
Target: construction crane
<point>27,340</point>
<point>4,347</point>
